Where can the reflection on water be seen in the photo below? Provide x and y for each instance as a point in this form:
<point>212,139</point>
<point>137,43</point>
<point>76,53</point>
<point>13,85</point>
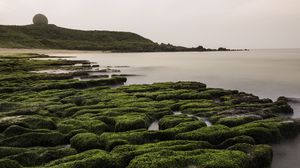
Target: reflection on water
<point>296,106</point>
<point>287,153</point>
<point>266,73</point>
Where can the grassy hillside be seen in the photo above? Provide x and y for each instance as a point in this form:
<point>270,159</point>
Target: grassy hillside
<point>53,37</point>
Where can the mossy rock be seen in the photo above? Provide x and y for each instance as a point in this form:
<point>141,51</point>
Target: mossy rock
<point>196,158</point>
<point>198,104</point>
<point>27,159</point>
<point>289,128</point>
<point>236,140</point>
<point>88,159</point>
<point>38,156</point>
<point>265,131</point>
<point>214,134</point>
<point>110,145</point>
<point>126,153</point>
<point>15,130</point>
<point>54,154</point>
<point>8,106</point>
<point>42,114</point>
<point>33,122</point>
<point>132,137</point>
<point>75,132</point>
<point>188,85</point>
<point>82,122</point>
<point>143,136</point>
<point>261,155</point>
<point>86,141</point>
<point>131,121</point>
<point>8,151</point>
<point>170,134</point>
<point>235,121</point>
<point>34,139</point>
<point>6,163</point>
<point>171,121</point>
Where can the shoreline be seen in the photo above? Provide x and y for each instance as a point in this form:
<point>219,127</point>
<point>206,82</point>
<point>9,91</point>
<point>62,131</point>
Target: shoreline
<point>99,122</point>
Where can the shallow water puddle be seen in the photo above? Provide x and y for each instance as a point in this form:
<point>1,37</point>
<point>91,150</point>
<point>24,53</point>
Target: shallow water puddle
<point>177,112</point>
<point>206,121</point>
<point>244,115</point>
<point>154,126</point>
<point>54,71</point>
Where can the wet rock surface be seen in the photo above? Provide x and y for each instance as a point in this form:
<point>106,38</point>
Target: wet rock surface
<point>56,121</point>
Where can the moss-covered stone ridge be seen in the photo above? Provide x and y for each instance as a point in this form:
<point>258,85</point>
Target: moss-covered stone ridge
<point>55,121</point>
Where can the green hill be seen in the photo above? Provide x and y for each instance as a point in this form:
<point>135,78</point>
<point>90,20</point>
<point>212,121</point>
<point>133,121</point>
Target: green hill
<point>54,37</point>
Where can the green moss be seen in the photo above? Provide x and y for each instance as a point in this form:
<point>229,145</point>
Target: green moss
<point>188,85</point>
<point>34,139</point>
<point>85,141</point>
<point>87,159</point>
<point>125,153</point>
<point>214,134</point>
<point>32,122</point>
<point>58,109</point>
<point>132,137</point>
<point>82,122</point>
<point>171,121</point>
<point>6,163</point>
<point>45,113</point>
<point>18,130</point>
<point>261,155</point>
<point>8,106</point>
<point>236,140</point>
<point>53,37</point>
<point>198,104</point>
<point>196,158</point>
<point>235,121</point>
<point>53,154</point>
<point>131,121</point>
<point>142,136</point>
<point>263,131</point>
<point>7,151</point>
<point>171,133</point>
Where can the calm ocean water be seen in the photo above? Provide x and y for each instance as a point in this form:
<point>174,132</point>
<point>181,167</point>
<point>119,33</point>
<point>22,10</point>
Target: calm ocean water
<point>266,73</point>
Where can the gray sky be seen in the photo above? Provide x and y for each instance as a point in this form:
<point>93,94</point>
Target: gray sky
<point>211,23</point>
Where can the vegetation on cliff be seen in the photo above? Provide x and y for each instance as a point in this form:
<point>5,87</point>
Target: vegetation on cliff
<point>44,36</point>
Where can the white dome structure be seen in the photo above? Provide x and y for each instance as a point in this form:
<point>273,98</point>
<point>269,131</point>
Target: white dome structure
<point>40,19</point>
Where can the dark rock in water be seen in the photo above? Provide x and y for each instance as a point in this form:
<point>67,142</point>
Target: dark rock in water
<point>95,66</point>
<point>124,75</point>
<point>189,85</point>
<point>86,65</point>
<point>94,76</point>
<point>294,100</point>
<point>283,99</point>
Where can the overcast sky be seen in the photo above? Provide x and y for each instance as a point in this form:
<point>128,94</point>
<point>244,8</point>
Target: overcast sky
<point>211,23</point>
